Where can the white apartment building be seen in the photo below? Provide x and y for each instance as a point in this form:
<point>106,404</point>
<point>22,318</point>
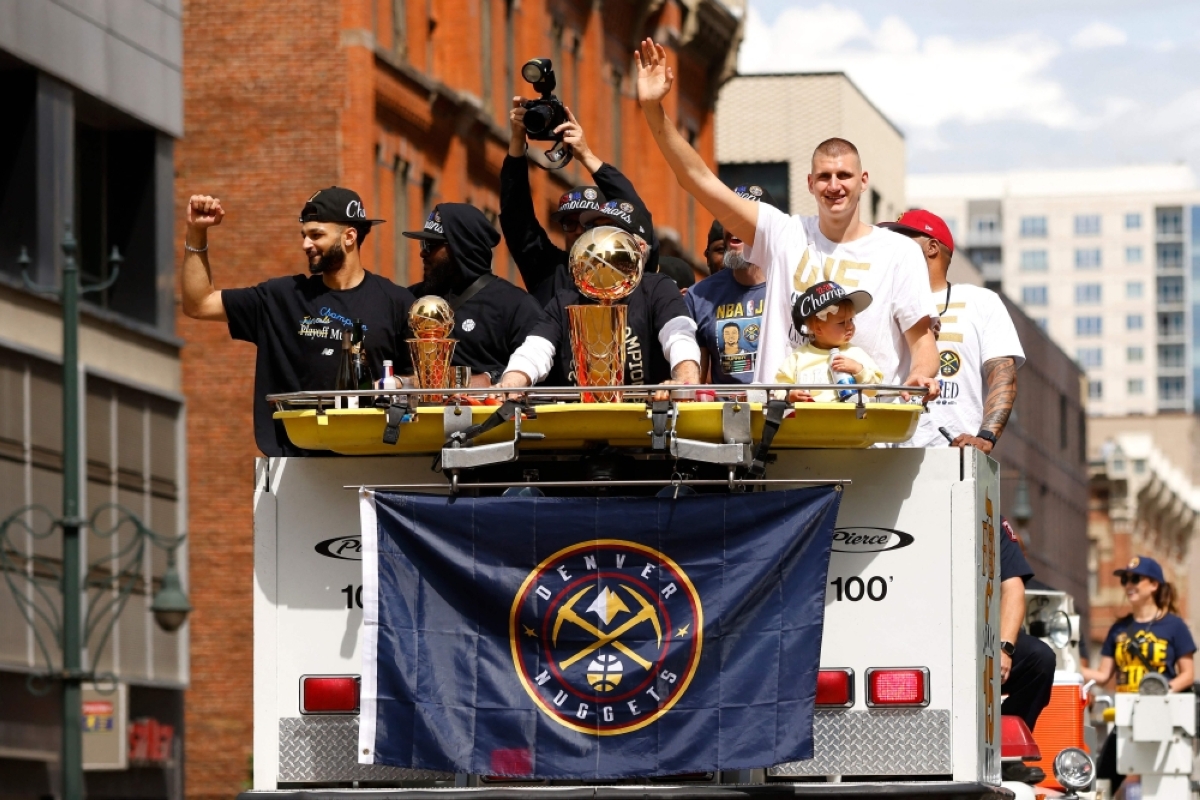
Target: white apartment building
<point>1106,261</point>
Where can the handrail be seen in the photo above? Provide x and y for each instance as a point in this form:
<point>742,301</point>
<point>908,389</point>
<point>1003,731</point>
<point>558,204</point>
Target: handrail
<point>678,391</point>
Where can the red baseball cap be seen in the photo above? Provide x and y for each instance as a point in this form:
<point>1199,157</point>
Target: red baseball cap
<point>919,222</point>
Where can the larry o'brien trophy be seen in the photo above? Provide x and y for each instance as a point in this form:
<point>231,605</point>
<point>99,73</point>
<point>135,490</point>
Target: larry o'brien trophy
<point>606,264</point>
<point>431,321</point>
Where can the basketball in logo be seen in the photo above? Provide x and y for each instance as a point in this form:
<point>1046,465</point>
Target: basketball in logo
<point>604,673</point>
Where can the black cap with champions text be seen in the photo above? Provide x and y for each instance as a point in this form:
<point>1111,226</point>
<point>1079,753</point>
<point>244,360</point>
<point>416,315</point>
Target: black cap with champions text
<point>431,230</point>
<point>624,214</point>
<point>339,205</point>
<point>755,194</point>
<point>578,200</point>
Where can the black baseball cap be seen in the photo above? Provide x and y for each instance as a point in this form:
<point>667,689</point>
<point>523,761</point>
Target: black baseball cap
<point>624,214</point>
<point>579,199</point>
<point>821,296</point>
<point>677,270</point>
<point>337,204</point>
<point>432,230</point>
<point>755,194</point>
<point>716,232</point>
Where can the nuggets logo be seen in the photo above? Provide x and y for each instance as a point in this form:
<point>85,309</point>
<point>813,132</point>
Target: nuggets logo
<point>949,364</point>
<point>606,636</point>
<point>750,333</point>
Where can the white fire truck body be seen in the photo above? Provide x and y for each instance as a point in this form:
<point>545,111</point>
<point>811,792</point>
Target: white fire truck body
<point>913,588</point>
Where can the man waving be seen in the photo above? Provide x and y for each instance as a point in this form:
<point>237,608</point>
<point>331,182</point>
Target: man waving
<point>799,252</point>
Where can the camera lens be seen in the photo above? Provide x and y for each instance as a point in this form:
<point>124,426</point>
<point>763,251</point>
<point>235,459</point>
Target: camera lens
<point>537,119</point>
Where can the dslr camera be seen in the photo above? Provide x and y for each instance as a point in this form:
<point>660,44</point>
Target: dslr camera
<point>546,113</point>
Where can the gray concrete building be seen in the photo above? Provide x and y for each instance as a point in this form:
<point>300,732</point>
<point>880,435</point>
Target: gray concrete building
<point>769,125</point>
<point>93,106</point>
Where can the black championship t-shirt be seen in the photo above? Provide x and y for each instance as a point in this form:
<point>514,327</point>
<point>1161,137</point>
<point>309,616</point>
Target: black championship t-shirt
<point>297,323</point>
<point>652,305</point>
<point>491,325</point>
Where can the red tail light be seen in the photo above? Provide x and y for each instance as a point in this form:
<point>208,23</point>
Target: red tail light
<point>835,688</point>
<point>329,694</point>
<point>908,686</point>
<point>1016,742</point>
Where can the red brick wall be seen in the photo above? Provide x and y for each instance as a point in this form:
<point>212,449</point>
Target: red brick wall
<point>263,99</point>
<point>281,99</point>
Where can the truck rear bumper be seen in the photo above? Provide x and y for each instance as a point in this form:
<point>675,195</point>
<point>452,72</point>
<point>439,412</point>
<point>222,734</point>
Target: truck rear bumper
<point>943,790</point>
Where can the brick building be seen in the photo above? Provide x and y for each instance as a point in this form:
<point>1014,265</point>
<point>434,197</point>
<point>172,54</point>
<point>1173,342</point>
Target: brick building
<point>407,103</point>
<point>1142,503</point>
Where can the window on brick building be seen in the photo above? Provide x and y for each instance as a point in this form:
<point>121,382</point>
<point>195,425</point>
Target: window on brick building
<point>510,49</point>
<point>400,28</point>
<point>615,114</point>
<point>485,53</point>
<point>400,245</point>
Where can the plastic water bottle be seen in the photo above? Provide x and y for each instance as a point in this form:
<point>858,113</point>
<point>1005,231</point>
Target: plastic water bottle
<point>840,378</point>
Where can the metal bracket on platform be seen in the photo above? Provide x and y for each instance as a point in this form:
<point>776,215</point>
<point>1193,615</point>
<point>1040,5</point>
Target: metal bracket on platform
<point>662,413</point>
<point>460,453</point>
<point>734,448</point>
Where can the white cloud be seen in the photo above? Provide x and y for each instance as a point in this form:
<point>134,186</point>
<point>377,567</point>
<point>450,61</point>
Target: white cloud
<point>919,83</point>
<point>1097,35</point>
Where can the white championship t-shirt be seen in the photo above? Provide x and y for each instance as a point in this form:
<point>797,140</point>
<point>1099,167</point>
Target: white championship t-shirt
<point>975,328</point>
<point>796,255</point>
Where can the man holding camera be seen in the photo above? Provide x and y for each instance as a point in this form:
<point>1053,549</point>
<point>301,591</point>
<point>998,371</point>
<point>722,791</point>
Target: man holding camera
<point>543,264</point>
<point>656,312</point>
<point>799,252</point>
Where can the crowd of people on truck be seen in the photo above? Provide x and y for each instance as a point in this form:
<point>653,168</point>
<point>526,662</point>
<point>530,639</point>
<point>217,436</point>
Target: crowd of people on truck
<point>783,292</point>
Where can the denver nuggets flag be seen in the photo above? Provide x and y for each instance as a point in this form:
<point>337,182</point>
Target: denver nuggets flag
<point>592,638</point>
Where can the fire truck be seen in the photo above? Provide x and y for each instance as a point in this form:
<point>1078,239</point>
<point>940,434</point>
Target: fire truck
<point>908,694</point>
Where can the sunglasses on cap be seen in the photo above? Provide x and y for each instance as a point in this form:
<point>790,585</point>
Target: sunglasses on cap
<point>1127,579</point>
<point>430,245</point>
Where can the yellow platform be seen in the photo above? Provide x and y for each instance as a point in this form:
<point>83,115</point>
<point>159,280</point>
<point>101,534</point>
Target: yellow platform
<point>569,426</point>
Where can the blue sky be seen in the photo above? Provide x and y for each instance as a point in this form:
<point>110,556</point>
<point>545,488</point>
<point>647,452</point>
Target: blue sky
<point>1004,85</point>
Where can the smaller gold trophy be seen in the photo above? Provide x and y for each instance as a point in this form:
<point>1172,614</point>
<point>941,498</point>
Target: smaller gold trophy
<point>606,264</point>
<point>431,321</point>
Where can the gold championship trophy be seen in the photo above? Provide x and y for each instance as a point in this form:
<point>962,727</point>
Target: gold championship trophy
<point>431,321</point>
<point>606,264</point>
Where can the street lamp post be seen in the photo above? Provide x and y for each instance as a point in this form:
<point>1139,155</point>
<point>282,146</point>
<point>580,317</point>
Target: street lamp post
<point>73,626</point>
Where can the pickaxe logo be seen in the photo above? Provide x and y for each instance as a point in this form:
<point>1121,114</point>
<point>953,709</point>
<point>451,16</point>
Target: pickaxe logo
<point>567,613</point>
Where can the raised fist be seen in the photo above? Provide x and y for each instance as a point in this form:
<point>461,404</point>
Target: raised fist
<point>204,211</point>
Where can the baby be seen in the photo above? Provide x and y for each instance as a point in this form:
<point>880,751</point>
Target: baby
<point>827,312</point>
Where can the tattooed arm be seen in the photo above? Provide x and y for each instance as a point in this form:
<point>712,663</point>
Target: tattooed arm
<point>1001,377</point>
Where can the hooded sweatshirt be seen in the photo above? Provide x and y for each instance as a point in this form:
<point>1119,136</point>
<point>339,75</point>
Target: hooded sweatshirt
<point>494,321</point>
<point>543,264</point>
